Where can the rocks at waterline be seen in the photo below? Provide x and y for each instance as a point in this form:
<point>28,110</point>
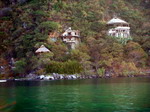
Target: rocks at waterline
<point>56,76</point>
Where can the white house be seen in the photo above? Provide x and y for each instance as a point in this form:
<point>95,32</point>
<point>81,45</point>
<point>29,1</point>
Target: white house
<point>71,38</point>
<point>118,28</point>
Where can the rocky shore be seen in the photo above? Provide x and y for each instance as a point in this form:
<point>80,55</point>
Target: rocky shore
<point>55,76</point>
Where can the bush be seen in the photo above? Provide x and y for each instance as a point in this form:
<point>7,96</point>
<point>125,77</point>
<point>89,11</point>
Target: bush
<point>48,26</point>
<point>69,67</point>
<point>101,71</point>
<point>20,66</point>
<point>40,13</point>
<point>59,5</point>
<point>98,26</point>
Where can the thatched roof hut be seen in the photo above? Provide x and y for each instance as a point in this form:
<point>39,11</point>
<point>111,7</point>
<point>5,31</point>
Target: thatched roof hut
<point>42,49</point>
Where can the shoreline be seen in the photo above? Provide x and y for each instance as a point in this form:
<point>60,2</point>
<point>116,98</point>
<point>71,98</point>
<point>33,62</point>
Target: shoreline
<point>77,78</point>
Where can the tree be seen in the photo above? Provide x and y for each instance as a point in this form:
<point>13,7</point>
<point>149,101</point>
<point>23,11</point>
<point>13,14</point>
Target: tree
<point>95,47</point>
<point>48,26</point>
<point>136,54</point>
<point>20,67</point>
<point>83,58</point>
<point>60,51</point>
<point>68,67</point>
<point>101,71</point>
<point>98,26</point>
<point>44,58</point>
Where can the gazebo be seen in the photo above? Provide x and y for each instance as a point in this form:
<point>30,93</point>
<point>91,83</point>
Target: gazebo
<point>116,20</point>
<point>119,29</point>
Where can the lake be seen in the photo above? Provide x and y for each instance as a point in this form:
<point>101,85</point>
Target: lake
<point>92,95</point>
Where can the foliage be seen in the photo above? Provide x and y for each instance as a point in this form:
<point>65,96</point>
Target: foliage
<point>60,51</point>
<point>83,58</point>
<point>20,66</point>
<point>44,58</point>
<point>48,26</point>
<point>40,13</point>
<point>69,67</point>
<point>30,24</point>
<point>136,54</point>
<point>98,26</point>
<point>129,69</point>
<point>101,71</point>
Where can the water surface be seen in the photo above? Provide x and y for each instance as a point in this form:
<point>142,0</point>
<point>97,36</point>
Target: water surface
<point>94,95</point>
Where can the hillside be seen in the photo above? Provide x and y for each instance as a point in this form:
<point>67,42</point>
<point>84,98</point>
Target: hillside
<point>25,25</point>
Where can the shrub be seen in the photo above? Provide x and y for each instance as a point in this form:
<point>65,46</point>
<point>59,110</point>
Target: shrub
<point>20,66</point>
<point>48,26</point>
<point>98,26</point>
<point>101,71</point>
<point>40,13</point>
<point>69,67</point>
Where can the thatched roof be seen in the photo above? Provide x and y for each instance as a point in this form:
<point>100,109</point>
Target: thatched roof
<point>42,49</point>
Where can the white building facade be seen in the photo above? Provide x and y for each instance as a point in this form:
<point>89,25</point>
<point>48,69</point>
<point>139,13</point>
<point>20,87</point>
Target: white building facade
<point>71,38</point>
<point>120,29</point>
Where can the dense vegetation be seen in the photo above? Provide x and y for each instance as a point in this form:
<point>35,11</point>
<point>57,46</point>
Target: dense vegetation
<point>26,24</point>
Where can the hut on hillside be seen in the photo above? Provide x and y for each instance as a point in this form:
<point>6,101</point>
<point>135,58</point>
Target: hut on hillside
<point>42,49</point>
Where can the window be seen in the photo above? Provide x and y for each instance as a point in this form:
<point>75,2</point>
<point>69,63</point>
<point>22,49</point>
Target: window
<point>69,33</point>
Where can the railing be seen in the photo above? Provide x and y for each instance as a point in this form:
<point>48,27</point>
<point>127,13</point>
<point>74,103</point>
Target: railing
<point>71,41</point>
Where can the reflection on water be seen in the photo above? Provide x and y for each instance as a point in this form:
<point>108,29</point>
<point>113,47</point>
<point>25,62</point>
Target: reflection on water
<point>101,95</point>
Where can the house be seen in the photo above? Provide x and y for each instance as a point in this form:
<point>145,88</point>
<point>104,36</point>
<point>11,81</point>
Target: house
<point>120,29</point>
<point>42,49</point>
<point>71,38</point>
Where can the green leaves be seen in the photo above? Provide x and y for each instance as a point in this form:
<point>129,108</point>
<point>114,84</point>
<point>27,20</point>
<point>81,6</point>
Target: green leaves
<point>20,66</point>
<point>59,5</point>
<point>40,13</point>
<point>48,26</point>
<point>136,54</point>
<point>30,24</point>
<point>60,51</point>
<point>98,26</point>
<point>83,58</point>
<point>101,71</point>
<point>69,67</point>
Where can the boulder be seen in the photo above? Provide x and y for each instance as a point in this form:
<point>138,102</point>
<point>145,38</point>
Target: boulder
<point>48,78</point>
<point>41,77</point>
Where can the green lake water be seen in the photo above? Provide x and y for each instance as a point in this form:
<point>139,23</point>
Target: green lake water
<point>94,95</point>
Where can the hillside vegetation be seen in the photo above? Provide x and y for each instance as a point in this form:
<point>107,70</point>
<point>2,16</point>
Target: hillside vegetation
<point>26,24</point>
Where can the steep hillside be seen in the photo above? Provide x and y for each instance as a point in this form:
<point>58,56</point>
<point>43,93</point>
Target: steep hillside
<point>27,24</point>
